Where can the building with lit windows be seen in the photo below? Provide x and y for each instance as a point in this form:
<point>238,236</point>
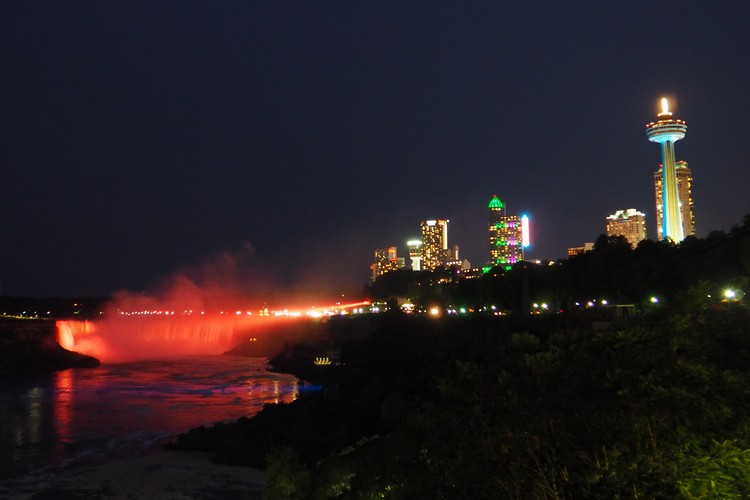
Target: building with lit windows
<point>415,254</point>
<point>454,261</point>
<point>506,235</point>
<point>667,130</point>
<point>630,224</point>
<point>434,244</point>
<point>386,260</point>
<point>587,247</point>
<point>685,195</point>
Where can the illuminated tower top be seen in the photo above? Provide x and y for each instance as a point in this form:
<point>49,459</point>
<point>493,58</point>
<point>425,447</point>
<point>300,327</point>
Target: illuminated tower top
<point>495,203</point>
<point>665,128</point>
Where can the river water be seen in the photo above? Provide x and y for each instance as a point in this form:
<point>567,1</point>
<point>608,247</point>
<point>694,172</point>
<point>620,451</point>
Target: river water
<point>50,423</point>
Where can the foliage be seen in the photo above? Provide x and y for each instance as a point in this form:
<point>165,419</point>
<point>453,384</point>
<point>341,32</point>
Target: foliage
<point>576,414</point>
<point>721,472</point>
<point>288,478</point>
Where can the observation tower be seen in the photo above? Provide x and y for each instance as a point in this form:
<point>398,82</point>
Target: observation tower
<point>666,131</point>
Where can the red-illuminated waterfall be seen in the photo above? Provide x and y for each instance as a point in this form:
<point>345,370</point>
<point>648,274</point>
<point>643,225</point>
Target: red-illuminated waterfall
<point>185,320</point>
<point>128,338</point>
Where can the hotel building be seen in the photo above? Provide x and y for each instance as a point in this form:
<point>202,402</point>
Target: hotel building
<point>434,244</point>
<point>386,260</point>
<point>630,224</point>
<point>685,195</point>
<point>415,254</point>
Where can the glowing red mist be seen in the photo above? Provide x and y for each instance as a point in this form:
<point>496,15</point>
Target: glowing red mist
<point>127,338</point>
<point>158,334</point>
<point>185,317</point>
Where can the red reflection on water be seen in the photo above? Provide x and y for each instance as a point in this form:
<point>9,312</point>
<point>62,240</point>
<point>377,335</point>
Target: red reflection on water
<point>167,396</point>
<point>63,402</point>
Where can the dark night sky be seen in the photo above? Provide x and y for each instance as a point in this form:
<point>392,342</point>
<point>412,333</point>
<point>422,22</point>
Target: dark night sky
<point>290,139</point>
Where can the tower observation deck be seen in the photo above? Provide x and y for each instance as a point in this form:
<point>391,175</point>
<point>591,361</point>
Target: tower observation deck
<point>666,131</point>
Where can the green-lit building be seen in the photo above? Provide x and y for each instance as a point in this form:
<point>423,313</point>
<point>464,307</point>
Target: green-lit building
<point>506,235</point>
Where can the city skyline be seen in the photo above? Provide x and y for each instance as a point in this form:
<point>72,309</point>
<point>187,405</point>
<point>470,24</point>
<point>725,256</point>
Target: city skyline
<point>276,146</point>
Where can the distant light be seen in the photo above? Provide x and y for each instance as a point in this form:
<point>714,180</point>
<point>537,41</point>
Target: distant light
<point>730,294</point>
<point>604,302</point>
<point>435,311</point>
<point>654,300</point>
<point>525,242</point>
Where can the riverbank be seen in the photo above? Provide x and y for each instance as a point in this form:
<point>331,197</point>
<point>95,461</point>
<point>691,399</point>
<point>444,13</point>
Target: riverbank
<point>157,474</point>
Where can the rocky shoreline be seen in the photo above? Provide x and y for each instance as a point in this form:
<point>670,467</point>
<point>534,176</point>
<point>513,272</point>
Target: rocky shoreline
<point>30,346</point>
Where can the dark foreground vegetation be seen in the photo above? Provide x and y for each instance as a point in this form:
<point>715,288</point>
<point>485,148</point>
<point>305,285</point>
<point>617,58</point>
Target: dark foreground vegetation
<point>556,405</point>
<point>479,408</point>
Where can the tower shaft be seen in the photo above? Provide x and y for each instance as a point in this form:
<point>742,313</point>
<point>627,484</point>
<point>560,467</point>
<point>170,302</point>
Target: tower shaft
<point>672,227</point>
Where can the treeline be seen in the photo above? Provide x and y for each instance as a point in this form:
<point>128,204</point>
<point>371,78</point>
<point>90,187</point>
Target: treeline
<point>52,307</point>
<point>612,271</point>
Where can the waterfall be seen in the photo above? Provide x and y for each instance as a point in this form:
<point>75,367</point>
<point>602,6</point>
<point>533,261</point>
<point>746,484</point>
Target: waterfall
<point>129,338</point>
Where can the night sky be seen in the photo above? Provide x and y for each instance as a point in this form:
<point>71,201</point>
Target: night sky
<point>279,143</point>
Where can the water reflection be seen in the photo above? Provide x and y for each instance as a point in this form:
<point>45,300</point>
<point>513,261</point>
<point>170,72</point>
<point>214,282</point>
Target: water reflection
<point>55,419</point>
<point>63,401</point>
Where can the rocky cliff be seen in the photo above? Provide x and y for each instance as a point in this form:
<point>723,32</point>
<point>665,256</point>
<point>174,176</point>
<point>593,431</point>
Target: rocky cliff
<point>30,345</point>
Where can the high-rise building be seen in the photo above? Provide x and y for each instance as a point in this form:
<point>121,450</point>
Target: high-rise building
<point>386,260</point>
<point>415,254</point>
<point>630,224</point>
<point>666,131</point>
<point>434,243</point>
<point>685,194</point>
<point>506,235</point>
